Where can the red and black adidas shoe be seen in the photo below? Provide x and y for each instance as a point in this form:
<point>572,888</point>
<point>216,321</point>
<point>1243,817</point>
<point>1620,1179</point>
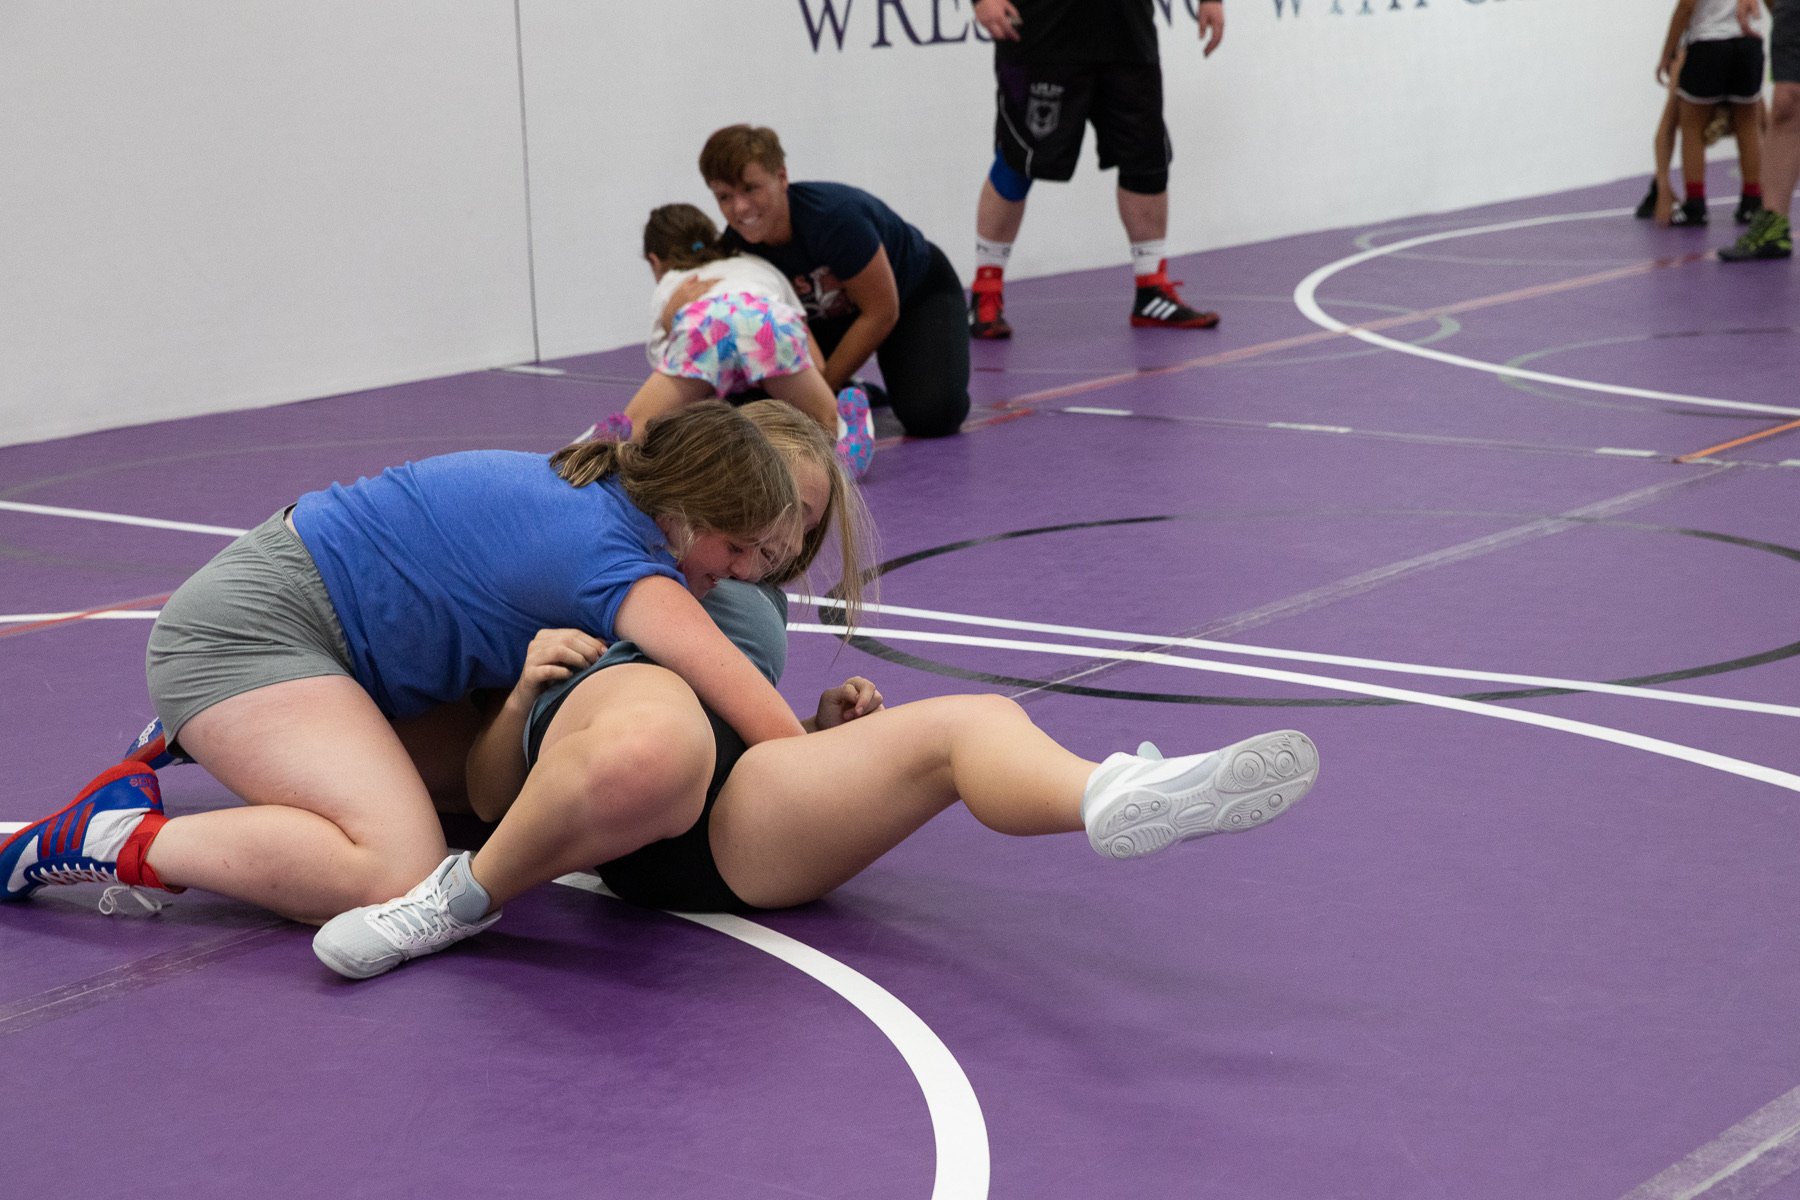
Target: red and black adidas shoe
<point>1160,306</point>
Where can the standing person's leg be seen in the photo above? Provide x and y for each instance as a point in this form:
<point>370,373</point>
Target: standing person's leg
<point>1131,133</point>
<point>1692,119</point>
<point>799,817</point>
<point>1770,234</point>
<point>925,359</point>
<point>1659,201</point>
<point>1746,127</point>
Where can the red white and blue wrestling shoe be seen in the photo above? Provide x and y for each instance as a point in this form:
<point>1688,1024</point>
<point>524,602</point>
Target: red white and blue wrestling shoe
<point>85,841</point>
<point>152,749</point>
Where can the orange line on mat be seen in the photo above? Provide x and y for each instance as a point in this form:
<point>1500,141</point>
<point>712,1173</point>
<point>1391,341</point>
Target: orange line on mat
<point>1747,438</point>
<point>1013,406</point>
<point>52,622</point>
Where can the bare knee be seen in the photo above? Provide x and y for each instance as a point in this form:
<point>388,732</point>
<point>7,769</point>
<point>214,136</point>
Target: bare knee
<point>649,775</point>
<point>1786,107</point>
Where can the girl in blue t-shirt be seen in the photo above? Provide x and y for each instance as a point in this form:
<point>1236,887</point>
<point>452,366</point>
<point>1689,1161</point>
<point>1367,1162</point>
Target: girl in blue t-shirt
<point>320,666</point>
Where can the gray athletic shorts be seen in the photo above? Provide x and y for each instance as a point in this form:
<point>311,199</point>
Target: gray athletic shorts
<point>257,614</point>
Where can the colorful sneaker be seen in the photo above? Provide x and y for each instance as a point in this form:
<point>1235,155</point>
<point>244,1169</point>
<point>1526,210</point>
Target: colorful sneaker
<point>1160,306</point>
<point>1646,208</point>
<point>1137,804</point>
<point>85,841</point>
<point>446,907</point>
<point>1769,236</point>
<point>1747,208</point>
<point>152,748</point>
<point>1691,215</point>
<point>987,306</point>
<point>856,431</point>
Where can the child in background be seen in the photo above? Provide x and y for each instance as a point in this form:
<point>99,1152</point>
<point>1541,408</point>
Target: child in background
<point>1723,65</point>
<point>723,323</point>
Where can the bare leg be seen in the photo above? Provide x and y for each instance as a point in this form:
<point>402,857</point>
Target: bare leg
<point>997,219</point>
<point>661,395</point>
<point>625,762</point>
<point>1693,142</point>
<point>337,814</point>
<point>800,816</point>
<point>1746,127</point>
<point>1663,150</point>
<point>1781,154</point>
<point>1146,218</point>
<point>808,392</point>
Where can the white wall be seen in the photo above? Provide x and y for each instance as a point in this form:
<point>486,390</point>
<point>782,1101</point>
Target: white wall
<point>214,204</point>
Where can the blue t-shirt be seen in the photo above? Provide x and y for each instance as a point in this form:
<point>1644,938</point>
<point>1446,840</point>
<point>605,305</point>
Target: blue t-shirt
<point>441,571</point>
<point>837,230</point>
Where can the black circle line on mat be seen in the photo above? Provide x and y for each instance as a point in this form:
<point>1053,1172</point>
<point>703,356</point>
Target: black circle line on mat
<point>879,649</point>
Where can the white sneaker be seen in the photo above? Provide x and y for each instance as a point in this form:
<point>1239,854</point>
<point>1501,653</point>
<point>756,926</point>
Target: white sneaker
<point>379,937</point>
<point>1137,804</point>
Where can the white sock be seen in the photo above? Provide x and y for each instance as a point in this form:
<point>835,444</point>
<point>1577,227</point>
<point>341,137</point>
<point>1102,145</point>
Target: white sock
<point>468,900</point>
<point>1147,257</point>
<point>992,254</point>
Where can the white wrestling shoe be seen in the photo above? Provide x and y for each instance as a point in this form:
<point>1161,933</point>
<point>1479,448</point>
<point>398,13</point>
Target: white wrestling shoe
<point>1137,804</point>
<point>368,941</point>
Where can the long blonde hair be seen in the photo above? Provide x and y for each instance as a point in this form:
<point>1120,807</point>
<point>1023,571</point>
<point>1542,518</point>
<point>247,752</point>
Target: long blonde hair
<point>705,468</point>
<point>799,438</point>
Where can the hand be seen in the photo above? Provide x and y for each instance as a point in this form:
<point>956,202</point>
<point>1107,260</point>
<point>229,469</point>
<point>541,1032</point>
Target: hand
<point>553,656</point>
<point>999,18</point>
<point>1746,14</point>
<point>685,293</point>
<point>1212,25</point>
<point>855,697</point>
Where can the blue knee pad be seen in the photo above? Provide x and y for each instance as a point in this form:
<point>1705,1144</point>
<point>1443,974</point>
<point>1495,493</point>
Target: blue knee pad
<point>1009,183</point>
<point>1144,183</point>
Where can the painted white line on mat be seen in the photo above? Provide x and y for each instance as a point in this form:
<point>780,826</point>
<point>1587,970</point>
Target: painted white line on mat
<point>45,510</point>
<point>960,1130</point>
<point>1306,300</point>
<point>119,614</point>
<point>1619,737</point>
<point>956,1119</point>
<point>1756,1153</point>
<point>1307,656</point>
<point>1097,412</point>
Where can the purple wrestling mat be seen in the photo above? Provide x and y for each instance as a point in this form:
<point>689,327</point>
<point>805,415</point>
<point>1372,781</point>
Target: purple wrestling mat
<point>1497,506</point>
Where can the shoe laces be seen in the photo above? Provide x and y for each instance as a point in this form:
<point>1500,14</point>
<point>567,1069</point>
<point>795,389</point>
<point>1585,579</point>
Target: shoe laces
<point>413,920</point>
<point>71,874</point>
<point>112,901</point>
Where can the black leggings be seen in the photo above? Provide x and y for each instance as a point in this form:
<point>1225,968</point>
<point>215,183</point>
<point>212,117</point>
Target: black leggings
<point>925,358</point>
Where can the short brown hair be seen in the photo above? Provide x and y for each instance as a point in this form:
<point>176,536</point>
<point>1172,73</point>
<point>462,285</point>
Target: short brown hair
<point>728,151</point>
<point>706,466</point>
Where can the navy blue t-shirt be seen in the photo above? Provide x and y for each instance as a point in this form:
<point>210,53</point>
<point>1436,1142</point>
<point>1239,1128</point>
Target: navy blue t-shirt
<point>837,229</point>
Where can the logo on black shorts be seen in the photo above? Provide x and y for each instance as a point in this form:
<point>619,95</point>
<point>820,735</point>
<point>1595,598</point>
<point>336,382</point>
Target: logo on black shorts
<point>1044,109</point>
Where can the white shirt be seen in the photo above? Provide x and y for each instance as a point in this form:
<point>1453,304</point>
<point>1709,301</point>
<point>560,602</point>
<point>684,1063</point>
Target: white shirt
<point>1716,20</point>
<point>739,273</point>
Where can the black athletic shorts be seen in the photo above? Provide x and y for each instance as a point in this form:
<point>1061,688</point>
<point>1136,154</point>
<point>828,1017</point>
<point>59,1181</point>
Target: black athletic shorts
<point>1722,72</point>
<point>1044,110</point>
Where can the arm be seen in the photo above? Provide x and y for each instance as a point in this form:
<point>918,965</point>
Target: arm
<point>496,764</point>
<point>877,298</point>
<point>669,625</point>
<point>685,293</point>
<point>1212,25</point>
<point>1678,23</point>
